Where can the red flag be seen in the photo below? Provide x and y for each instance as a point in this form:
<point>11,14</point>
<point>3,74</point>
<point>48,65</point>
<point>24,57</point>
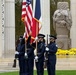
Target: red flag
<point>36,20</point>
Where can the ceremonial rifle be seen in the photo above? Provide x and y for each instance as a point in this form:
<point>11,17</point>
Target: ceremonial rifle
<point>46,54</point>
<point>15,58</point>
<point>27,42</point>
<point>14,64</point>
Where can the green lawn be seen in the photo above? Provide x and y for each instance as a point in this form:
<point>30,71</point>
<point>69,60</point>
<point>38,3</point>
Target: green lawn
<point>58,72</point>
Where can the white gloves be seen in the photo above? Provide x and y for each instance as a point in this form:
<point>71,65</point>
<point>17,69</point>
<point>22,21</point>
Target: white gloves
<point>26,56</point>
<point>16,52</point>
<point>36,38</point>
<point>36,58</point>
<point>47,49</point>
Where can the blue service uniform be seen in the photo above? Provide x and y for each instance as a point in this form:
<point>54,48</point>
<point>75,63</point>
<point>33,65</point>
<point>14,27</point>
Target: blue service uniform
<point>51,62</point>
<point>40,54</point>
<point>30,60</point>
<point>26,65</point>
<point>22,61</point>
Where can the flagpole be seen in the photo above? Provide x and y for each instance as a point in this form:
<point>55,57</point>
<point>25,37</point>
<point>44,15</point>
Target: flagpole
<point>37,15</point>
<point>36,36</point>
<point>26,49</point>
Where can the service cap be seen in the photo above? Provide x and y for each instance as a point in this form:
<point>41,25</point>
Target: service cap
<point>41,35</point>
<point>52,36</point>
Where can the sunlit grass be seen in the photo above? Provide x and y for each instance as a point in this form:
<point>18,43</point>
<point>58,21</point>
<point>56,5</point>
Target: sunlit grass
<point>58,72</point>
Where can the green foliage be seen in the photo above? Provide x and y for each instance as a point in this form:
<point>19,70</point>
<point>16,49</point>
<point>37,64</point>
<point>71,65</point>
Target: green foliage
<point>19,27</point>
<point>52,9</point>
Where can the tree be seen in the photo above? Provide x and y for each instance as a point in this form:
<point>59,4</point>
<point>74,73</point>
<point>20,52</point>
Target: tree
<point>19,26</point>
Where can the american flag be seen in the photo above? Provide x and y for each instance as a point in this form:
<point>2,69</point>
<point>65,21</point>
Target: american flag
<point>27,16</point>
<point>31,19</point>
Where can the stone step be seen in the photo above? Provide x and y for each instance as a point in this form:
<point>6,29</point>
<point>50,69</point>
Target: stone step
<point>66,63</point>
<point>63,63</point>
<point>7,63</point>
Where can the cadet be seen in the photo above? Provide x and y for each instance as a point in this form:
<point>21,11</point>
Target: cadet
<point>51,49</point>
<point>39,58</point>
<point>30,55</point>
<point>20,53</point>
<point>22,61</point>
<point>26,57</point>
<point>16,50</point>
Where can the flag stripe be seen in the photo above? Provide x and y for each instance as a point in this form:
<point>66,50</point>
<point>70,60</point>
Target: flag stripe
<point>36,20</point>
<point>27,15</point>
<point>23,9</point>
<point>31,22</point>
<point>37,10</point>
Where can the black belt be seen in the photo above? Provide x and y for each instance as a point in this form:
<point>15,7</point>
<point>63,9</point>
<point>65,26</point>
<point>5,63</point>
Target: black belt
<point>28,49</point>
<point>38,53</point>
<point>51,53</point>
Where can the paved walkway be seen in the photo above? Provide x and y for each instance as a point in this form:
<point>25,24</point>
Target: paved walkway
<point>63,63</point>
